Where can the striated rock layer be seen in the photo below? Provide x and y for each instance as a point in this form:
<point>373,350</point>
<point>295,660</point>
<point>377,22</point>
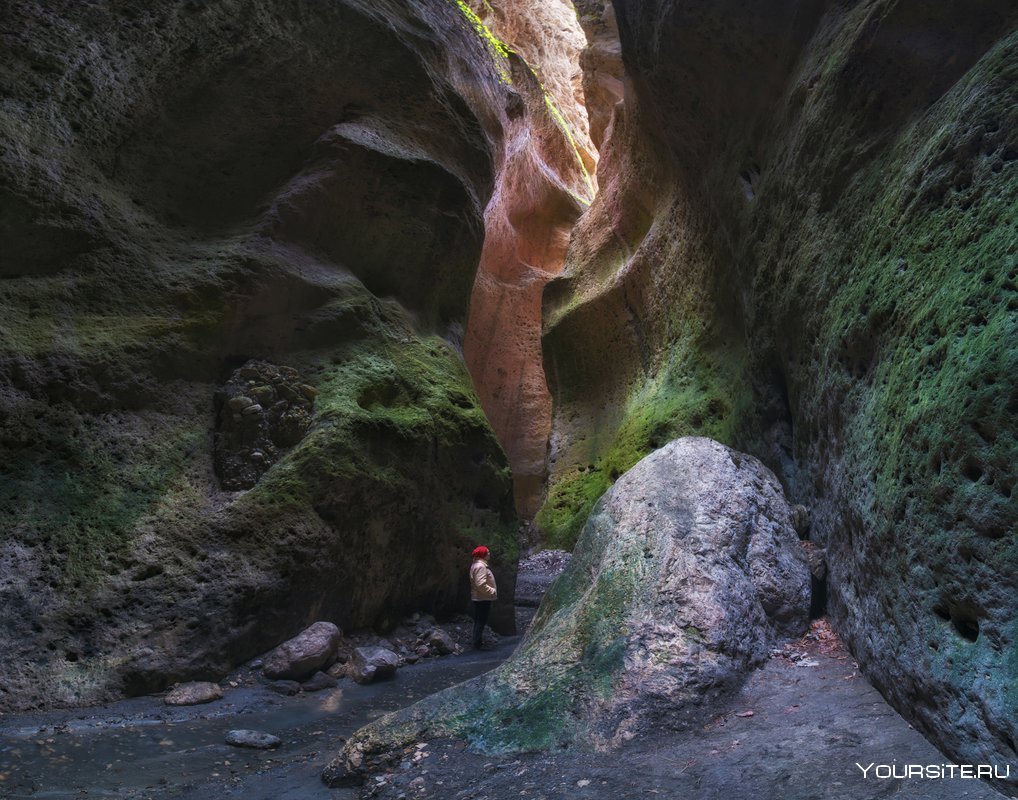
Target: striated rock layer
<point>185,187</point>
<point>684,576</point>
<point>542,183</point>
<point>806,244</point>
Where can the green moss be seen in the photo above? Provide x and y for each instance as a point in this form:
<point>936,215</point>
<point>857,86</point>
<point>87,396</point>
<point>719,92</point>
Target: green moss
<point>694,393</point>
<point>83,486</point>
<point>499,50</point>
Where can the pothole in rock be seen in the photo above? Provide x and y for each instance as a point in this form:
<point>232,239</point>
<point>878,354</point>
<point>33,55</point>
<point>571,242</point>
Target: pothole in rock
<point>263,411</point>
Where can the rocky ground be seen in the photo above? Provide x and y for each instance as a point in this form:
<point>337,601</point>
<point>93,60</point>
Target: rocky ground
<point>796,730</point>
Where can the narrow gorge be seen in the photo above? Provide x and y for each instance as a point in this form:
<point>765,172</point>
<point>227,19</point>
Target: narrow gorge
<point>301,301</point>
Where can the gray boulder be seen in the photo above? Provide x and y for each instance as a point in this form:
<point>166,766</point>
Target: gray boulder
<point>304,654</point>
<point>372,663</point>
<point>685,574</point>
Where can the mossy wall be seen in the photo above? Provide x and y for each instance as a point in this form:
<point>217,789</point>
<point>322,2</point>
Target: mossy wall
<point>813,215</point>
<point>186,186</point>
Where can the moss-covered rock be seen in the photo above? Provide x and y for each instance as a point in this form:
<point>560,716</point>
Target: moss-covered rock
<point>682,579</point>
<point>188,186</point>
<point>822,198</point>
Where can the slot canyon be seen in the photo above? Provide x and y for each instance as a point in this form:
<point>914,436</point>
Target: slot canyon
<point>701,316</point>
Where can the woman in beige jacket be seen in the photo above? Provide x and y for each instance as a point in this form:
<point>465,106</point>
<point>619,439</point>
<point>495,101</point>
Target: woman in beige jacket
<point>482,592</point>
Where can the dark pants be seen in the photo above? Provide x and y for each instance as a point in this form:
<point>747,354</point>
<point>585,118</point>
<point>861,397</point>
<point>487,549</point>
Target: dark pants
<point>481,610</point>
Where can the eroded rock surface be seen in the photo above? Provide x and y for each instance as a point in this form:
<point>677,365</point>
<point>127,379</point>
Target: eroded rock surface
<point>264,410</point>
<point>804,246</point>
<point>543,183</point>
<point>190,186</point>
<point>193,693</point>
<point>686,573</point>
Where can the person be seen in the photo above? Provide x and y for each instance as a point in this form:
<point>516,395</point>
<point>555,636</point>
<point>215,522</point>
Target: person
<point>482,592</point>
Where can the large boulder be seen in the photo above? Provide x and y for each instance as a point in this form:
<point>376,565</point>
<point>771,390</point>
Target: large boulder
<point>304,654</point>
<point>685,575</point>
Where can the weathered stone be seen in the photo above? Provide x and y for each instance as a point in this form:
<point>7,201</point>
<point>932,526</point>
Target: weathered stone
<point>544,184</point>
<point>816,557</point>
<point>684,577</point>
<point>256,740</point>
<point>371,664</point>
<point>194,693</point>
<point>173,207</point>
<point>440,641</point>
<point>239,403</point>
<point>836,310</point>
<point>304,654</point>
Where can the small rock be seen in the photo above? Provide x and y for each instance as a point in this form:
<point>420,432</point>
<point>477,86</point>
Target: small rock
<point>254,739</point>
<point>239,403</point>
<point>318,682</point>
<point>372,663</point>
<point>192,694</point>
<point>441,642</point>
<point>310,392</point>
<point>251,410</point>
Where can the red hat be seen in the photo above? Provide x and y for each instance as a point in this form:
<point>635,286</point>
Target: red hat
<point>481,552</point>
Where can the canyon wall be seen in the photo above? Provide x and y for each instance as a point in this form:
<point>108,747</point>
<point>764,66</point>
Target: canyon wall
<point>542,185</point>
<point>806,245</point>
<point>239,242</point>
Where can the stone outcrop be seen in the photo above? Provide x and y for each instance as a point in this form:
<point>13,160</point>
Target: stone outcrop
<point>804,246</point>
<point>263,411</point>
<point>682,580</point>
<point>185,187</point>
<point>542,184</point>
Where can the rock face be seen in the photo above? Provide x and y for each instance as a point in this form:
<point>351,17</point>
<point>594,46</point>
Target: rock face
<point>685,574</point>
<point>804,246</point>
<point>542,185</point>
<point>304,654</point>
<point>186,187</point>
<point>264,410</point>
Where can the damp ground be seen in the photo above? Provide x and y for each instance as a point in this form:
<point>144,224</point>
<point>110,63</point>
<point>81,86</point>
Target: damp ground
<point>798,730</point>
